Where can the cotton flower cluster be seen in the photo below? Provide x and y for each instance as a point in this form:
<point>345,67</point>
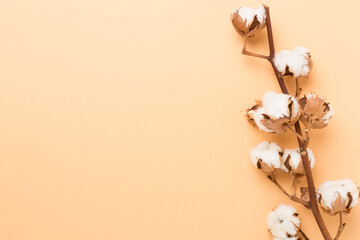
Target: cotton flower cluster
<point>248,21</point>
<point>338,196</point>
<point>275,113</point>
<point>294,63</point>
<point>316,113</point>
<point>268,157</point>
<point>284,223</point>
<point>292,161</point>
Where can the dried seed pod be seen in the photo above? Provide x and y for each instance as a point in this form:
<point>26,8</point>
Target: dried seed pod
<point>338,196</point>
<point>316,112</point>
<point>266,156</point>
<point>283,222</point>
<point>275,113</point>
<point>292,163</point>
<point>293,63</point>
<point>248,21</point>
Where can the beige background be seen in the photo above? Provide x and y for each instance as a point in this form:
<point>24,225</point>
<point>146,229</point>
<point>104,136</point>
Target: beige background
<point>124,119</point>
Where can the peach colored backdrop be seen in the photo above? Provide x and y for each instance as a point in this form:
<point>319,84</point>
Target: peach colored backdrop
<point>123,120</point>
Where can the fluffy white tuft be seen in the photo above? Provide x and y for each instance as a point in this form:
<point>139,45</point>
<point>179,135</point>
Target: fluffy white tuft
<point>277,105</point>
<point>283,221</point>
<point>258,116</point>
<point>248,14</point>
<point>331,190</point>
<point>268,152</point>
<point>295,158</point>
<point>297,60</point>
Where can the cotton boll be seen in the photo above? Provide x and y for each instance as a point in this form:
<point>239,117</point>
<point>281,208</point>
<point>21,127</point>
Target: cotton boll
<point>266,156</point>
<point>275,114</point>
<point>292,162</point>
<point>280,105</point>
<point>296,62</point>
<point>255,115</point>
<point>316,111</point>
<point>283,222</point>
<point>281,111</point>
<point>248,21</point>
<point>248,14</point>
<point>338,196</point>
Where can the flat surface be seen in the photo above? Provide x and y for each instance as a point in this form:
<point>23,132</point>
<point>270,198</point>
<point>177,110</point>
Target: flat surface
<point>124,119</point>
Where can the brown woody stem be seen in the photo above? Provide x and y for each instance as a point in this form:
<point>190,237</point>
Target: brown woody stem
<point>341,227</point>
<point>302,144</point>
<point>272,51</point>
<point>298,89</point>
<point>271,177</point>
<point>307,130</point>
<point>246,52</point>
<point>295,184</point>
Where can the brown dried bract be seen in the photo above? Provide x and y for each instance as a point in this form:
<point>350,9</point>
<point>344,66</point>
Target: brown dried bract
<point>278,126</point>
<point>264,166</point>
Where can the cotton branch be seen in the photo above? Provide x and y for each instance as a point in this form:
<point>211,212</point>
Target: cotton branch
<point>309,178</point>
<point>246,52</point>
<point>306,204</point>
<point>315,113</point>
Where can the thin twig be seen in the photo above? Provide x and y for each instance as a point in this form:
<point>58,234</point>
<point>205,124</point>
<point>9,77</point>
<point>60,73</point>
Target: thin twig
<point>307,133</point>
<point>341,227</point>
<point>295,184</point>
<point>303,234</point>
<point>246,52</point>
<point>271,177</point>
<point>298,89</point>
<point>297,134</point>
